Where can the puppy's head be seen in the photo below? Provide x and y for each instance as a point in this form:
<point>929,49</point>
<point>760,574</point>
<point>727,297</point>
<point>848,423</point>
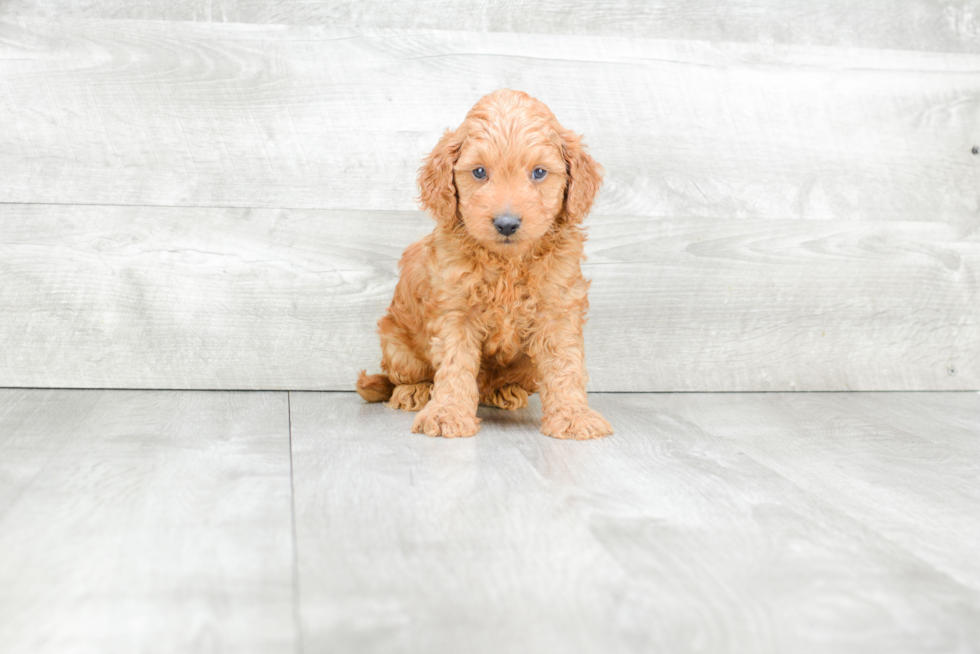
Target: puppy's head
<point>509,174</point>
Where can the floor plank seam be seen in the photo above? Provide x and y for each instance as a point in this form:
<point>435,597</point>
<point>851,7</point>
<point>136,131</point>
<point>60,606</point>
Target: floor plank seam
<point>297,623</point>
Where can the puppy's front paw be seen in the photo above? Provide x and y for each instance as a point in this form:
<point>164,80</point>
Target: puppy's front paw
<point>447,421</point>
<point>575,424</point>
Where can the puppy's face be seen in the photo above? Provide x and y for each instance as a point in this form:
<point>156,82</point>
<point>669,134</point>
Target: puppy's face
<point>510,183</point>
<point>509,174</point>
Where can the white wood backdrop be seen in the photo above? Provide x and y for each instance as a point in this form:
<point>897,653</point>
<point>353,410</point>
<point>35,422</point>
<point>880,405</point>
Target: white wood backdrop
<point>941,25</point>
<point>791,203</point>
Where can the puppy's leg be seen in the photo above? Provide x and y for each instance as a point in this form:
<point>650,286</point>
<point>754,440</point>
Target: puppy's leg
<point>451,411</point>
<point>410,374</point>
<point>560,355</point>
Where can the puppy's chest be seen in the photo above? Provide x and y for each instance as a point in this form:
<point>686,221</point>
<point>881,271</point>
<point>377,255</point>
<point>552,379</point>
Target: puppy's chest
<point>506,309</point>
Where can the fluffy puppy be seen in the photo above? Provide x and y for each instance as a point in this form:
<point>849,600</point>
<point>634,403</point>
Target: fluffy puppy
<point>490,306</point>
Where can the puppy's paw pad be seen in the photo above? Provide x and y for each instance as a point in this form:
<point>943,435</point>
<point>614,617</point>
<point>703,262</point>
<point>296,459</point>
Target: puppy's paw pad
<point>580,424</point>
<point>508,397</point>
<point>410,397</point>
<point>449,422</point>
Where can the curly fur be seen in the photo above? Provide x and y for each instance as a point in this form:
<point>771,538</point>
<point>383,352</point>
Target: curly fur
<point>479,317</point>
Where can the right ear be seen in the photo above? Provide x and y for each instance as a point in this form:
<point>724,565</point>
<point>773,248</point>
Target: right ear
<point>437,189</point>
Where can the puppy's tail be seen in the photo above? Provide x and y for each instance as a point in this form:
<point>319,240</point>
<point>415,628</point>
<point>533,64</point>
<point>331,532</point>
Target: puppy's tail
<point>374,388</point>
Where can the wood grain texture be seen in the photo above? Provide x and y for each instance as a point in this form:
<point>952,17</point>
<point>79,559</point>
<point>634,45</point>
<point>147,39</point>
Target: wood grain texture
<point>906,466</point>
<point>288,299</point>
<point>199,114</point>
<point>145,522</point>
<point>916,24</point>
<point>774,217</point>
<point>669,536</point>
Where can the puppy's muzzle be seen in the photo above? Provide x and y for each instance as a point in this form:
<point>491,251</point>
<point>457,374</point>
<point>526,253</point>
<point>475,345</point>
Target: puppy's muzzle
<point>506,224</point>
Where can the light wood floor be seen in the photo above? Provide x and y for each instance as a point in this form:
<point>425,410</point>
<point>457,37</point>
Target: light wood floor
<point>159,521</point>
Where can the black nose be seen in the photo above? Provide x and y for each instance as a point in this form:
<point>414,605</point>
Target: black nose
<point>507,223</point>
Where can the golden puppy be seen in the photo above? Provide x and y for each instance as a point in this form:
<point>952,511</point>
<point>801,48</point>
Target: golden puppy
<point>489,307</point>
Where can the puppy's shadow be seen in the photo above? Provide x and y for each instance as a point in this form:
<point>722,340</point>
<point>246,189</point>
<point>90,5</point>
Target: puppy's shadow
<point>528,418</point>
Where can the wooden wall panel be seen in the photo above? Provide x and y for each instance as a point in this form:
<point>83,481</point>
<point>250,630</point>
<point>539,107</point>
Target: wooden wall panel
<point>149,113</point>
<point>941,25</point>
<point>287,299</point>
<point>205,205</point>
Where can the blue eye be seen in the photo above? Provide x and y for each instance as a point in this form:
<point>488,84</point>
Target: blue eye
<point>538,174</point>
<point>480,173</point>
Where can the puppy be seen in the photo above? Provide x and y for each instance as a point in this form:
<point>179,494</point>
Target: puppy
<point>489,308</point>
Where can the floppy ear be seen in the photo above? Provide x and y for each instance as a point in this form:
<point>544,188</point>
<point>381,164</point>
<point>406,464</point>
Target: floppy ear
<point>584,177</point>
<point>437,189</point>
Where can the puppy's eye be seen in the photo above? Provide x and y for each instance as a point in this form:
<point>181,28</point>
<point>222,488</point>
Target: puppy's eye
<point>480,173</point>
<point>538,174</point>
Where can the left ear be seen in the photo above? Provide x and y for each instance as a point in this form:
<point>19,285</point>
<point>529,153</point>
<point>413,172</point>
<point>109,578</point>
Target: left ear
<point>584,177</point>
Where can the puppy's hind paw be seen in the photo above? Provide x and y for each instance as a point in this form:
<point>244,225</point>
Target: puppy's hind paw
<point>446,421</point>
<point>410,397</point>
<point>508,397</point>
<point>575,424</point>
